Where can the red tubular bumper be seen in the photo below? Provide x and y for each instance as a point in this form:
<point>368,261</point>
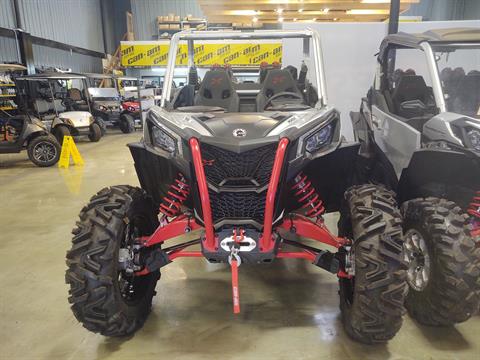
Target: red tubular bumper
<point>266,241</point>
<point>209,242</point>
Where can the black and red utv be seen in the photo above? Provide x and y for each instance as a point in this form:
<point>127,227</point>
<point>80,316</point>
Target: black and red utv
<point>245,170</point>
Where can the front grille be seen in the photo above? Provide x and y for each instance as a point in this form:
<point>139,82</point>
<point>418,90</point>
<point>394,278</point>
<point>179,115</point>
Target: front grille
<point>228,171</point>
<point>228,168</point>
<point>244,205</point>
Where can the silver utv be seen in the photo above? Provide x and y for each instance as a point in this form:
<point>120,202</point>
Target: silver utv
<point>249,155</point>
<point>419,129</point>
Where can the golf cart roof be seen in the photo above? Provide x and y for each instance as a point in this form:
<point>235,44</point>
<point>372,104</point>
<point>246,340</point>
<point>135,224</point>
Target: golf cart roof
<point>51,76</point>
<point>256,34</point>
<point>458,35</point>
<point>12,67</point>
<point>109,76</point>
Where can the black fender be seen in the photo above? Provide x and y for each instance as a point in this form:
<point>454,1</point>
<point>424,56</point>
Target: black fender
<point>450,174</point>
<point>372,164</point>
<point>155,173</point>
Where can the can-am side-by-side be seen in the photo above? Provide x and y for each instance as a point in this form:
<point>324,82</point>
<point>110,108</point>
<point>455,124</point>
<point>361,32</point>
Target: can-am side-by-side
<point>419,131</point>
<point>251,167</point>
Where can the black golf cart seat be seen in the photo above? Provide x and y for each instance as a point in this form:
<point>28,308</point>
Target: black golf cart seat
<point>217,89</point>
<point>276,81</point>
<point>78,102</point>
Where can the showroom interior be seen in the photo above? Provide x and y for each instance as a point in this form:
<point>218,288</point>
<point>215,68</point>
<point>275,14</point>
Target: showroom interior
<point>240,179</point>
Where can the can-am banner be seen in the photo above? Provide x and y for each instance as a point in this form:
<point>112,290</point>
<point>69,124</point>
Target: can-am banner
<point>155,53</point>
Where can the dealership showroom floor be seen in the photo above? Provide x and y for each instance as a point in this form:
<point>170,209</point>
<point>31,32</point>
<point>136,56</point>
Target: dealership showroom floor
<point>289,310</point>
<point>240,179</point>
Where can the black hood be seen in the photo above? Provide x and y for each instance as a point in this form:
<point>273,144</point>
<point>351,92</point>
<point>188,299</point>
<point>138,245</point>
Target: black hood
<point>246,126</point>
<point>240,132</point>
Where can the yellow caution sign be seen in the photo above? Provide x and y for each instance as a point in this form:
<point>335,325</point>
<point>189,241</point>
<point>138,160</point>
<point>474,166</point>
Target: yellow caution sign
<point>155,53</point>
<point>69,149</point>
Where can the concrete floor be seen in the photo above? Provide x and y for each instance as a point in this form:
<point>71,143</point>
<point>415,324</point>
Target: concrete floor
<point>289,309</point>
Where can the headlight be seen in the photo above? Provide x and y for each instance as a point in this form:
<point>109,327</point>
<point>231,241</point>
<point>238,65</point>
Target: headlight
<point>320,138</point>
<point>91,120</point>
<point>102,108</point>
<point>161,139</point>
<point>474,137</point>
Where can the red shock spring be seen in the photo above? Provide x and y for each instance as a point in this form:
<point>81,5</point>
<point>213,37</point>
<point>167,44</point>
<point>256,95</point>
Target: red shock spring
<point>474,211</point>
<point>176,195</point>
<point>306,194</point>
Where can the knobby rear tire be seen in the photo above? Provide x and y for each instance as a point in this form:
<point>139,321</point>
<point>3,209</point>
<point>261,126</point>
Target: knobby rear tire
<point>452,294</point>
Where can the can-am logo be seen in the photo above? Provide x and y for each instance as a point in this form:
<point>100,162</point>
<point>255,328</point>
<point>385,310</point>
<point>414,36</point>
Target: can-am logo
<point>239,132</point>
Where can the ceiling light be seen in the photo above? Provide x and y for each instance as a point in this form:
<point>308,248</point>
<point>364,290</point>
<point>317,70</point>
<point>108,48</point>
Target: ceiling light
<point>375,1</point>
<point>300,10</point>
<point>242,12</point>
<point>314,19</point>
<point>279,10</point>
<point>326,10</point>
<point>368,12</point>
<point>254,19</point>
<point>294,19</point>
<point>280,19</point>
<point>335,19</point>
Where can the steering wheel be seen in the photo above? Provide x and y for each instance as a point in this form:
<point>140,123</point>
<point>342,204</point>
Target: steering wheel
<point>284,94</point>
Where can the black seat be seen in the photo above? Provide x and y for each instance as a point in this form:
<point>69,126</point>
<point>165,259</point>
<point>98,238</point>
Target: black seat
<point>467,99</point>
<point>277,81</point>
<point>77,101</point>
<point>217,89</point>
<point>410,88</point>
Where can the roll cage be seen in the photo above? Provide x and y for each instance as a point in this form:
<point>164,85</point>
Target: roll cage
<point>191,37</point>
<point>424,42</point>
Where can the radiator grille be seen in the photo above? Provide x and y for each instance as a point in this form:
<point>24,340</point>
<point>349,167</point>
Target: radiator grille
<point>249,170</point>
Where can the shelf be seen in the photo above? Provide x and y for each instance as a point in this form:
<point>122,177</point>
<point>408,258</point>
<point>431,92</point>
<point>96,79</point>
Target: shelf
<point>8,95</point>
<point>6,108</point>
<point>11,85</point>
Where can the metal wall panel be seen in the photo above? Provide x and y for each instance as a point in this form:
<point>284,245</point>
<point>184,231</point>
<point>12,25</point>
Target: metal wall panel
<point>145,14</point>
<point>8,50</point>
<point>74,22</point>
<point>49,57</point>
<point>7,18</point>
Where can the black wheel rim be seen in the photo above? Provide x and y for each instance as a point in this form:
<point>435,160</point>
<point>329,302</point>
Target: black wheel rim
<point>418,259</point>
<point>44,152</point>
<point>132,288</point>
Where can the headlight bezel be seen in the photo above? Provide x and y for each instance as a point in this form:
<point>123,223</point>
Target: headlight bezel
<point>475,141</point>
<point>332,141</point>
<point>319,138</point>
<point>162,139</point>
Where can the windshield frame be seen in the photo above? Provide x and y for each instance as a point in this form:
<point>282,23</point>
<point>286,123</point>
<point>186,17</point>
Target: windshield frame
<point>190,36</point>
<point>457,45</point>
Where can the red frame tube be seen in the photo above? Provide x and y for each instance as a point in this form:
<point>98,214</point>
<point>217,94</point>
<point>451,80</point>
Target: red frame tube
<point>209,242</point>
<point>266,241</point>
<point>304,227</point>
<point>183,253</point>
<point>296,255</point>
<point>179,226</point>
